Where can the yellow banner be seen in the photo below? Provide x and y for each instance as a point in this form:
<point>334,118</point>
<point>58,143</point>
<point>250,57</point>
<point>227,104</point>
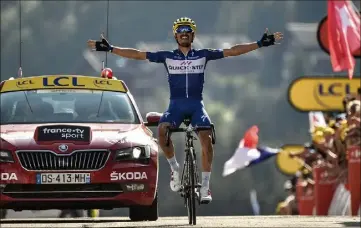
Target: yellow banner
<point>321,93</point>
<point>63,82</point>
<point>287,162</point>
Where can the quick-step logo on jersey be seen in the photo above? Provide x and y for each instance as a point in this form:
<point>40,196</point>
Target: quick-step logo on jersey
<point>186,66</point>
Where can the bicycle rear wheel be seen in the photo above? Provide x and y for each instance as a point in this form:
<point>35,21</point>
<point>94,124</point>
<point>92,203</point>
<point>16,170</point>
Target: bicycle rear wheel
<point>191,201</point>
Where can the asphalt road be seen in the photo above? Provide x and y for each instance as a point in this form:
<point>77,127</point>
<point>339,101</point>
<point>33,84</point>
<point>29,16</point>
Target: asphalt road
<point>224,221</point>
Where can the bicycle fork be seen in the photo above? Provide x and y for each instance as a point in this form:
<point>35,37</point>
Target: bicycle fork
<point>197,183</point>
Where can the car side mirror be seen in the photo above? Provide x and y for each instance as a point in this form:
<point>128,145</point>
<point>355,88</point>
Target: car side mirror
<point>152,119</point>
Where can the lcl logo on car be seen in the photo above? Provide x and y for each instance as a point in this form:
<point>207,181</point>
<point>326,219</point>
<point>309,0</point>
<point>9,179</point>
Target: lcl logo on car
<point>63,147</point>
<point>102,83</point>
<point>24,83</point>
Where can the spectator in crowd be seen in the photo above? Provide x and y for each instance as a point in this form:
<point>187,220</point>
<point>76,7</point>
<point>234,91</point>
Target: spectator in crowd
<point>289,205</point>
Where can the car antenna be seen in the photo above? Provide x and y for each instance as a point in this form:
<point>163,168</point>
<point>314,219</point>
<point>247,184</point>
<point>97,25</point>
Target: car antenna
<point>20,71</point>
<point>106,57</point>
<point>107,33</point>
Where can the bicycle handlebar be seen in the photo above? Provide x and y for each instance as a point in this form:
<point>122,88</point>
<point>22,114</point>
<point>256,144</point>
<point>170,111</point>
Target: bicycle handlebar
<point>170,130</point>
<point>184,129</point>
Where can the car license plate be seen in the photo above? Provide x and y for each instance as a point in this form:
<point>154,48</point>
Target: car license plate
<point>63,178</point>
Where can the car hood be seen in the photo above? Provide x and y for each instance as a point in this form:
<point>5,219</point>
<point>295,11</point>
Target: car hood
<point>102,135</point>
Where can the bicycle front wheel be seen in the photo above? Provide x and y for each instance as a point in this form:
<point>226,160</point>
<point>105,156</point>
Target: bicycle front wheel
<point>191,202</point>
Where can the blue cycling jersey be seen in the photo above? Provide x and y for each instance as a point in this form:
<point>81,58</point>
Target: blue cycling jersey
<point>185,72</point>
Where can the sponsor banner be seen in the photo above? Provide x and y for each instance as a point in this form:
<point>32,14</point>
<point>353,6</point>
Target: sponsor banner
<point>324,188</point>
<point>63,82</point>
<point>53,133</point>
<point>322,37</point>
<point>315,93</point>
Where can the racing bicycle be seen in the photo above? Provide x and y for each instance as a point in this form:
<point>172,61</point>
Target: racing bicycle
<point>190,185</point>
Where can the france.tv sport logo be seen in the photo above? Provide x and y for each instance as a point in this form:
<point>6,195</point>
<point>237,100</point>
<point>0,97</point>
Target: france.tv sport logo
<point>65,132</point>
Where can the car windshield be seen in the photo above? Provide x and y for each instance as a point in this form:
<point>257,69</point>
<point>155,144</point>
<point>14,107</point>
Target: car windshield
<point>66,106</point>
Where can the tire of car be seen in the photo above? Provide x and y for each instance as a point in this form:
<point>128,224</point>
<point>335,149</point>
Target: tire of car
<point>145,213</point>
<point>3,213</point>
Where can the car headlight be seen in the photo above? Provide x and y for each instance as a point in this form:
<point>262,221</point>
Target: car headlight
<point>6,156</point>
<point>134,153</point>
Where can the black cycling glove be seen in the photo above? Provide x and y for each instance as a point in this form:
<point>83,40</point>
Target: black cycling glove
<point>103,45</point>
<point>266,40</point>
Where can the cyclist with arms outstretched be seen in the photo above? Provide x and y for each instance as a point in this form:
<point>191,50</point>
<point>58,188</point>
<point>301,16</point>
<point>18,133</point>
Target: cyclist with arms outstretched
<point>185,67</point>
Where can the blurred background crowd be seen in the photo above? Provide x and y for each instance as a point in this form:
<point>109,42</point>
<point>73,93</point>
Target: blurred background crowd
<point>239,92</point>
<point>328,148</point>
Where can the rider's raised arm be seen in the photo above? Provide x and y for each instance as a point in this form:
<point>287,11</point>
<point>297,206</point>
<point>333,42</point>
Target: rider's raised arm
<point>214,54</point>
<point>240,49</point>
<point>265,41</point>
<point>156,57</point>
<point>129,53</point>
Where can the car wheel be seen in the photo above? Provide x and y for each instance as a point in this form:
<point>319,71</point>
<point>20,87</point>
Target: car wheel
<point>145,213</point>
<point>3,213</point>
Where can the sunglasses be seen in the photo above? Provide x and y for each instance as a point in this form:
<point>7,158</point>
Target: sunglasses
<point>184,29</point>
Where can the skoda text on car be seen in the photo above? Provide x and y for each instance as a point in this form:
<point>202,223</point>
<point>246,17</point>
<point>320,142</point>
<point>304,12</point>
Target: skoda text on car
<point>76,142</point>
